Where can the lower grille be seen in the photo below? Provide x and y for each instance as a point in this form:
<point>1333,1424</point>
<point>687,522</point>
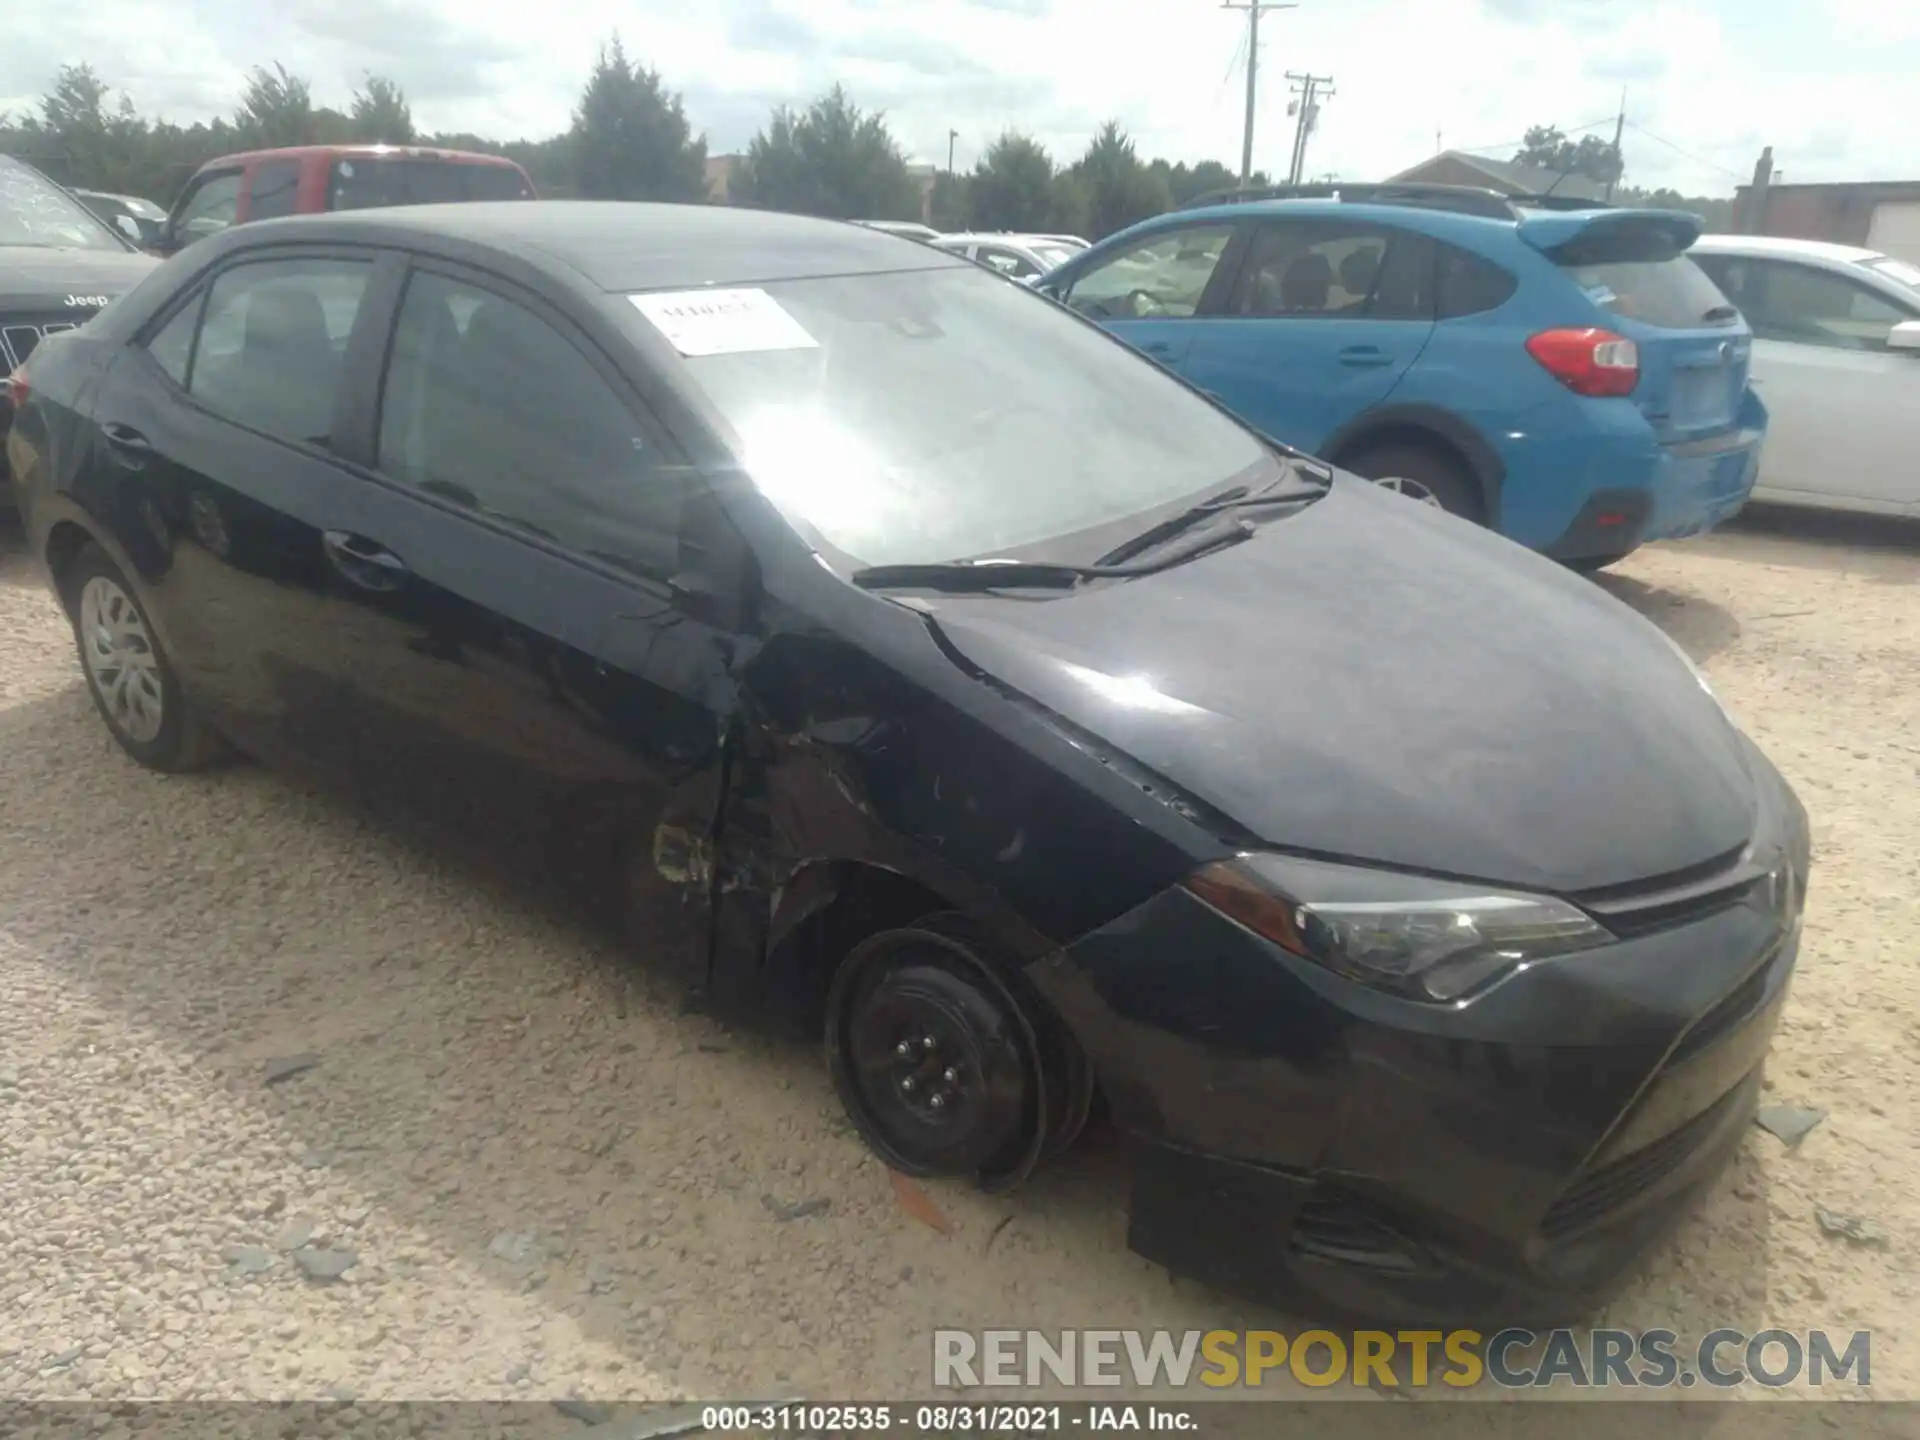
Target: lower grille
<point>1336,1228</point>
<point>1600,1192</point>
<point>1726,1017</point>
<point>20,335</point>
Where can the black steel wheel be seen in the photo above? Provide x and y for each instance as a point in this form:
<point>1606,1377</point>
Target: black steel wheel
<point>946,1062</point>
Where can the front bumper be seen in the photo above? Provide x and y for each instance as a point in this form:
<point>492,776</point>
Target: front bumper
<point>1509,1159</point>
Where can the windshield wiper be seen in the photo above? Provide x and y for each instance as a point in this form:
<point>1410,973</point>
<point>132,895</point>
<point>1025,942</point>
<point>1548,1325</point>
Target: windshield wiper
<point>963,576</point>
<point>1227,501</point>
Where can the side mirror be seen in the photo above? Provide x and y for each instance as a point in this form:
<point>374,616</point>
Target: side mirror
<point>1905,336</point>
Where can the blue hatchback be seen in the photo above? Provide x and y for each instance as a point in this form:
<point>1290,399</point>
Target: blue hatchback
<point>1567,377</point>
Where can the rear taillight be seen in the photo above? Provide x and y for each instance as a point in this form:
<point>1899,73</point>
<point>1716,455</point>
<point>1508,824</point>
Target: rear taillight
<point>1590,361</point>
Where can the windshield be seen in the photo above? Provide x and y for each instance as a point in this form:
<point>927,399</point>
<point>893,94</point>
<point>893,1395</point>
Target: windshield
<point>367,182</point>
<point>38,213</point>
<point>1908,275</point>
<point>942,414</point>
<point>1051,255</point>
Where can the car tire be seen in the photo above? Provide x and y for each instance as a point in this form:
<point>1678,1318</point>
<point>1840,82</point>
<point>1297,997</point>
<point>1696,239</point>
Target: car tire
<point>1423,473</point>
<point>1594,564</point>
<point>132,682</point>
<point>945,1060</point>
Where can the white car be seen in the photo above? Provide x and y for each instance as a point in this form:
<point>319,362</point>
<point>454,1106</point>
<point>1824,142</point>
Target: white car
<point>1836,357</point>
<point>1022,257</point>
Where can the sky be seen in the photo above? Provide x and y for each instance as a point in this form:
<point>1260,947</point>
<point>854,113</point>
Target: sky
<point>1707,82</point>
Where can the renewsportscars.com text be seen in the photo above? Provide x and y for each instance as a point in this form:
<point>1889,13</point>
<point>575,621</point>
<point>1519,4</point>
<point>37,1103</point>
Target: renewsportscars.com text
<point>1511,1359</point>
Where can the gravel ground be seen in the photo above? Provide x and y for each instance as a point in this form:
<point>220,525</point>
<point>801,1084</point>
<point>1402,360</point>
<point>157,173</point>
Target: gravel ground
<point>546,1180</point>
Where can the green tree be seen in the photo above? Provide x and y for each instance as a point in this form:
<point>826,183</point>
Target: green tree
<point>630,137</point>
<point>381,114</point>
<point>1012,186</point>
<point>1067,206</point>
<point>1546,147</point>
<point>276,108</point>
<point>831,159</point>
<point>949,205</point>
<point>1119,189</point>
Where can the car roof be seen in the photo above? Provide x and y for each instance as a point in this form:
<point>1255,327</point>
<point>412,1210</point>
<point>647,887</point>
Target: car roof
<point>1447,224</point>
<point>1786,248</point>
<point>996,237</point>
<point>626,246</point>
<point>411,152</point>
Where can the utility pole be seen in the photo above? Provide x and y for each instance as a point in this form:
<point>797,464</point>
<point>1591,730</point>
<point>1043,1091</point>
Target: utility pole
<point>1619,128</point>
<point>1306,112</point>
<point>1254,9</point>
<point>1753,215</point>
<point>952,135</point>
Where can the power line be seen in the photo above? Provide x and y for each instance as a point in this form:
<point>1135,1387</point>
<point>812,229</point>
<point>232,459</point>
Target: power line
<point>1688,154</point>
<point>1516,144</point>
<point>1239,48</point>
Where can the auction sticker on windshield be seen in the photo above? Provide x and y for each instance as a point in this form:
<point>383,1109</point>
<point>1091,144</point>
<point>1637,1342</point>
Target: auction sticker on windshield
<point>722,322</point>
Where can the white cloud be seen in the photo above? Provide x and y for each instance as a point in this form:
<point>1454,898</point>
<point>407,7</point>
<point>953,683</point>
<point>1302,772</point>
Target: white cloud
<point>1708,81</point>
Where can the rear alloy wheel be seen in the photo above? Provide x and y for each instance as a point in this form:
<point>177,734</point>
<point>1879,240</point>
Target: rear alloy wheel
<point>133,685</point>
<point>945,1061</point>
<point>1420,473</point>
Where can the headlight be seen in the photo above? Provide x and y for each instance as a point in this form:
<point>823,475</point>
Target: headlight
<point>1428,939</point>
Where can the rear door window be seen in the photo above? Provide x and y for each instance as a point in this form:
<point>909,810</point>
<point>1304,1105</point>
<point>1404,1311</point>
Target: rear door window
<point>1672,294</point>
<point>273,341</point>
<point>1333,271</point>
<point>368,182</point>
<point>275,189</point>
<point>1007,262</point>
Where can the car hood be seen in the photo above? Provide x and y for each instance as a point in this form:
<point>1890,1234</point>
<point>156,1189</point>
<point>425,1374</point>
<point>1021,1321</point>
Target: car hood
<point>33,279</point>
<point>1369,678</point>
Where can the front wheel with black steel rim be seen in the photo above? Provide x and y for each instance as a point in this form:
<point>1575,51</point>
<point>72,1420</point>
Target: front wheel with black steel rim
<point>946,1061</point>
<point>1421,473</point>
<point>133,685</point>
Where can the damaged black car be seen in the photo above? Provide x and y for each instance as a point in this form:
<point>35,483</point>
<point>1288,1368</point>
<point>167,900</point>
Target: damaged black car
<point>917,665</point>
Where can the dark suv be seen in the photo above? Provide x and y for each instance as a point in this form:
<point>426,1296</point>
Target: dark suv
<point>60,265</point>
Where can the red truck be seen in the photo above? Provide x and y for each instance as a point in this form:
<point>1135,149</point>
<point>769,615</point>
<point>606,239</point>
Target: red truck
<point>304,179</point>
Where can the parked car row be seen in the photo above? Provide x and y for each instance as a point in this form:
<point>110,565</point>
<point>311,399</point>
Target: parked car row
<point>916,665</point>
<point>1023,257</point>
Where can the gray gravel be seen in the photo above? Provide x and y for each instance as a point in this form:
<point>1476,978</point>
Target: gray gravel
<point>247,1034</point>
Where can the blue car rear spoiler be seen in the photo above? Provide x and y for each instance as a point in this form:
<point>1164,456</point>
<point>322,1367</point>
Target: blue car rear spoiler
<point>1601,237</point>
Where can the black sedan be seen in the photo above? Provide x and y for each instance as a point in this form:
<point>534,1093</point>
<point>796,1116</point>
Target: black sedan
<point>916,664</point>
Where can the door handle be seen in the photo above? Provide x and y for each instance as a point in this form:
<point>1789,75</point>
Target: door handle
<point>132,446</point>
<point>125,437</point>
<point>363,562</point>
<point>1364,357</point>
<point>1157,347</point>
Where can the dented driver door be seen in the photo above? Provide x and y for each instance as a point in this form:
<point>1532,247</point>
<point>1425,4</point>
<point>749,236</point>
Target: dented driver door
<point>525,670</point>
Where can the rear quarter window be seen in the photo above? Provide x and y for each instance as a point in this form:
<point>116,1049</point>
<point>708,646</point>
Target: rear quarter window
<point>1470,285</point>
<point>1673,294</point>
